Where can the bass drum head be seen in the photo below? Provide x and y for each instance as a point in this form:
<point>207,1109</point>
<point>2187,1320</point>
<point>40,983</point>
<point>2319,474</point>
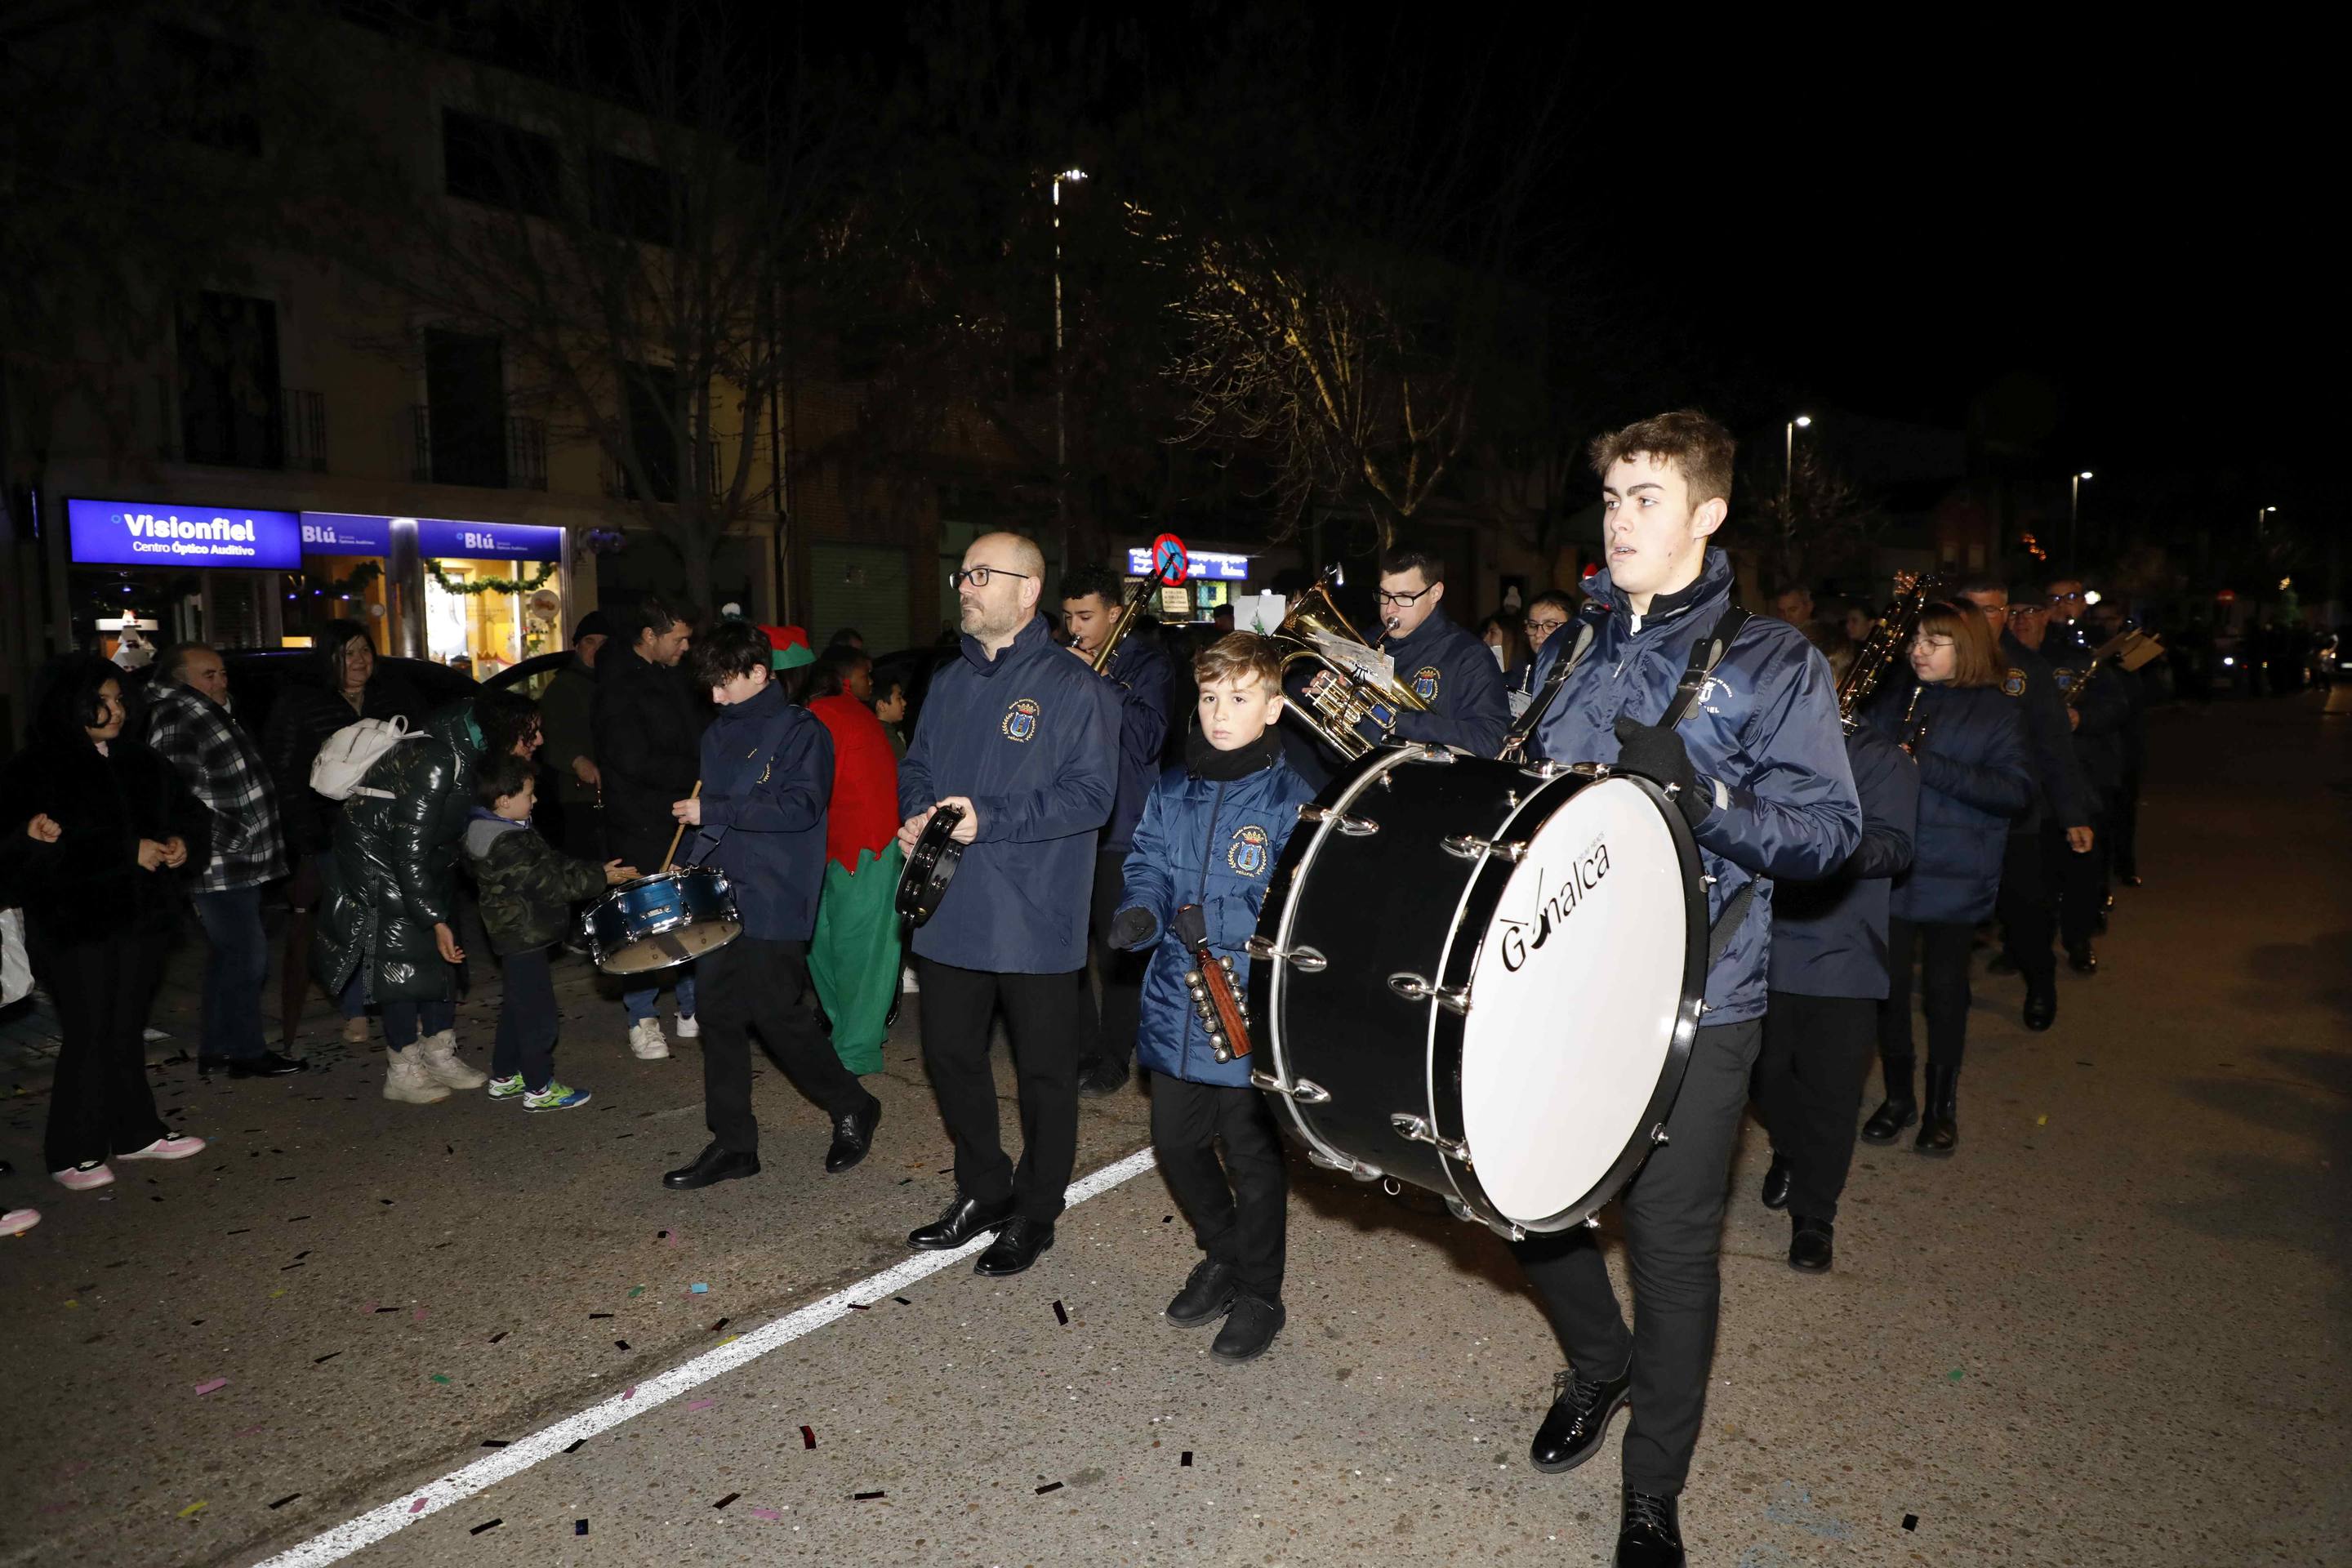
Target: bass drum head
<point>1580,986</point>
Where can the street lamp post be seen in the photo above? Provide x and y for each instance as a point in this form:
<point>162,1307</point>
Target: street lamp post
<point>1788,461</point>
<point>2074,519</point>
<point>1061,398</point>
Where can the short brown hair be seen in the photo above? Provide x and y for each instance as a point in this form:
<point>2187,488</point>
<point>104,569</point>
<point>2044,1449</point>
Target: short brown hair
<point>1700,449</point>
<point>1976,657</point>
<point>1399,559</point>
<point>1238,655</point>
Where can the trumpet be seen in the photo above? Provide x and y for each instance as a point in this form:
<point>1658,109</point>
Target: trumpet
<point>1353,684</point>
<point>1886,643</point>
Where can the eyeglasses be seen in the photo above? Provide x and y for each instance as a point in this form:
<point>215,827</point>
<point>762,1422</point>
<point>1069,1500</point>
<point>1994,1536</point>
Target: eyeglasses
<point>2062,599</point>
<point>1546,626</point>
<point>978,577</point>
<point>1388,598</point>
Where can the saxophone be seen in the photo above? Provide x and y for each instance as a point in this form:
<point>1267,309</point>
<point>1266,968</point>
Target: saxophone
<point>1888,641</point>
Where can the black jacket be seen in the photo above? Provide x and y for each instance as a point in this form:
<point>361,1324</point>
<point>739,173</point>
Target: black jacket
<point>2060,794</point>
<point>301,717</point>
<point>648,726</point>
<point>1456,675</point>
<point>1829,937</point>
<point>88,886</point>
<point>2101,702</point>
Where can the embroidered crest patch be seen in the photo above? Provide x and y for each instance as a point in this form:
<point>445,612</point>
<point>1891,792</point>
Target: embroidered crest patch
<point>1424,683</point>
<point>1021,719</point>
<point>1249,851</point>
<point>2015,685</point>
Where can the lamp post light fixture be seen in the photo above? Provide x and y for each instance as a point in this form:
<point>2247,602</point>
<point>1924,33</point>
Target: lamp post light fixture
<point>1061,398</point>
<point>1789,460</point>
<point>2075,518</point>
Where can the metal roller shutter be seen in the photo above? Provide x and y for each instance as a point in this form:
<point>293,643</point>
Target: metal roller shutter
<point>861,585</point>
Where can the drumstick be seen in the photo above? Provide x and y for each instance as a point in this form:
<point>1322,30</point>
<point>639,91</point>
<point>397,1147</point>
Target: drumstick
<point>680,832</point>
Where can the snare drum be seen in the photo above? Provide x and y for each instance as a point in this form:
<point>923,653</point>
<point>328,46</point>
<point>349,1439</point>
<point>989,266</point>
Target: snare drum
<point>1483,978</point>
<point>663,921</point>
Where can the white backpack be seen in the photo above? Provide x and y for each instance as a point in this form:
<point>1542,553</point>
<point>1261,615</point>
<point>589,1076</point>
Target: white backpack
<point>347,756</point>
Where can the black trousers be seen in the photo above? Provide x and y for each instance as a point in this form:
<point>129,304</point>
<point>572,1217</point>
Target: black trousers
<point>1107,1032</point>
<point>101,1103</point>
<point>1673,1221</point>
<point>2123,829</point>
<point>2028,913</point>
<point>527,1020</point>
<point>1809,1083</point>
<point>1943,990</point>
<point>1237,1208</point>
<point>2078,882</point>
<point>750,985</point>
<point>1040,1013</point>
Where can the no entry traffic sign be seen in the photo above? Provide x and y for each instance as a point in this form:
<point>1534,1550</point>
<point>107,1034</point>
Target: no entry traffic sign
<point>1168,555</point>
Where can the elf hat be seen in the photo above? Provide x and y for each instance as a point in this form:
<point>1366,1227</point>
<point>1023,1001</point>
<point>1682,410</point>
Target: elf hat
<point>789,647</point>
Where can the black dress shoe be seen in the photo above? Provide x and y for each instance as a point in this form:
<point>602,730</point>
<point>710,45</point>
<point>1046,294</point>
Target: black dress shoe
<point>2082,960</point>
<point>1102,1075</point>
<point>1940,1129</point>
<point>965,1219</point>
<point>853,1132</point>
<point>1652,1533</point>
<point>1249,1329</point>
<point>2000,964</point>
<point>1578,1420</point>
<point>1809,1244</point>
<point>268,1064</point>
<point>1017,1245</point>
<point>1206,1295</point>
<point>713,1164</point>
<point>1776,1183</point>
<point>2041,1008</point>
<point>1889,1120</point>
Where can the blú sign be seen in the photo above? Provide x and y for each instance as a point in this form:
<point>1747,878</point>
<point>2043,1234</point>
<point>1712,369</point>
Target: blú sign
<point>141,533</point>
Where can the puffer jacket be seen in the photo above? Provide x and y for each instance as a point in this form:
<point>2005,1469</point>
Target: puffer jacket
<point>1211,843</point>
<point>526,885</point>
<point>1763,737</point>
<point>393,875</point>
<point>1974,776</point>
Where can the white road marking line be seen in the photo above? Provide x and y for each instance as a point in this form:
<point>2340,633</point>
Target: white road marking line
<point>334,1545</point>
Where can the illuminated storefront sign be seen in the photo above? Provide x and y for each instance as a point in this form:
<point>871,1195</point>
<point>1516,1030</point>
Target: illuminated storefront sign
<point>345,533</point>
<point>1206,563</point>
<point>438,537</point>
<point>147,533</point>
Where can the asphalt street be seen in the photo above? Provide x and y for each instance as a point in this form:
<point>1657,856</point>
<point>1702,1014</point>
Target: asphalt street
<point>2110,1331</point>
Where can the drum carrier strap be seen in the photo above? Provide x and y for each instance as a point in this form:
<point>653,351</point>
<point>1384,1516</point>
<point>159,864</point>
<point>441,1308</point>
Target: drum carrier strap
<point>1515,744</point>
<point>1705,655</point>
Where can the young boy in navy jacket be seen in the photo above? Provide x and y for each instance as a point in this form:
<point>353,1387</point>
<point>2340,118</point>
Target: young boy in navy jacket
<point>1213,829</point>
<point>767,779</point>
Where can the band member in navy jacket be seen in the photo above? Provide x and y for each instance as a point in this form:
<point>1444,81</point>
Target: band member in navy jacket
<point>1210,833</point>
<point>1144,678</point>
<point>767,780</point>
<point>1828,977</point>
<point>1449,669</point>
<point>1758,768</point>
<point>1024,739</point>
<point>1974,777</point>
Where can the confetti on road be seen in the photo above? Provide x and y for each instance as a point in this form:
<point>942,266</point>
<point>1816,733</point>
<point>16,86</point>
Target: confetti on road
<point>771,1515</point>
<point>494,1442</point>
<point>289,1497</point>
<point>578,1527</point>
<point>1911,1520</point>
<point>383,1310</point>
<point>630,1391</point>
<point>1049,1486</point>
<point>594,1316</point>
<point>213,1386</point>
<point>576,1444</point>
<point>858,1306</point>
<point>719,1324</point>
<point>419,1317</point>
<point>417,1507</point>
<point>902,1300</point>
<point>1956,1373</point>
<point>324,1360</point>
<point>864,1497</point>
<point>2041,1121</point>
<point>502,1334</point>
<point>1061,1315</point>
<point>731,1497</point>
<point>699,1288</point>
<point>1187,1460</point>
<point>635,1291</point>
<point>440,1378</point>
<point>621,1345</point>
<point>492,1525</point>
<point>693,1405</point>
<point>192,1507</point>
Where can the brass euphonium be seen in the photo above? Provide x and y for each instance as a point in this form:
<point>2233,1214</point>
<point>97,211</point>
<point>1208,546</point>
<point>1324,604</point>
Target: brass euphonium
<point>1889,641</point>
<point>1316,633</point>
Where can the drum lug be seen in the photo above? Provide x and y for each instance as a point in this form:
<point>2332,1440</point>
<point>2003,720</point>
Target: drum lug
<point>1346,1166</point>
<point>1658,1134</point>
<point>1306,960</point>
<point>1469,847</point>
<point>1550,770</point>
<point>1413,988</point>
<point>1307,1091</point>
<point>1416,1130</point>
<point>1353,826</point>
<point>1433,753</point>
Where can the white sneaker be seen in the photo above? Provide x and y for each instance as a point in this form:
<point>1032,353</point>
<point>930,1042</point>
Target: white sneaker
<point>646,1042</point>
<point>687,1029</point>
<point>171,1146</point>
<point>82,1177</point>
<point>16,1222</point>
<point>404,1078</point>
<point>907,982</point>
<point>441,1063</point>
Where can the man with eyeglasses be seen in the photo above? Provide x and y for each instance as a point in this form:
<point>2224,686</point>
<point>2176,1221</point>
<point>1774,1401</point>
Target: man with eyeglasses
<point>1024,739</point>
<point>2024,906</point>
<point>1546,613</point>
<point>1451,671</point>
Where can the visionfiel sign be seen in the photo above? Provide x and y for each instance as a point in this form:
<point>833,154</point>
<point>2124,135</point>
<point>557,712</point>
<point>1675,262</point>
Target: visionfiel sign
<point>146,533</point>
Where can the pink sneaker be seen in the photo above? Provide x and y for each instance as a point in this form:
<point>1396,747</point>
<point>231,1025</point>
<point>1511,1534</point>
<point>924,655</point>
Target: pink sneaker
<point>16,1222</point>
<point>81,1178</point>
<point>176,1146</point>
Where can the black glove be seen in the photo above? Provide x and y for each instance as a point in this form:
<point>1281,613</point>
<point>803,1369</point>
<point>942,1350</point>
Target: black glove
<point>1657,754</point>
<point>1130,929</point>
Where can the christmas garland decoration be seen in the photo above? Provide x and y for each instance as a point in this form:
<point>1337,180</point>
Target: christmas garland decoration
<point>490,584</point>
<point>351,587</point>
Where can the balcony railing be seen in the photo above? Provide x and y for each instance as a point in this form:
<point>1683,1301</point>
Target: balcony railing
<point>294,435</point>
<point>305,429</point>
<point>520,464</point>
<point>618,486</point>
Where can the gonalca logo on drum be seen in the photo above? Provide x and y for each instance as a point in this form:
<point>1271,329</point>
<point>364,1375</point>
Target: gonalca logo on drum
<point>1552,908</point>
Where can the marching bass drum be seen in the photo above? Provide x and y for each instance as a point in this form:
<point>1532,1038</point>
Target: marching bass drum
<point>1483,978</point>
